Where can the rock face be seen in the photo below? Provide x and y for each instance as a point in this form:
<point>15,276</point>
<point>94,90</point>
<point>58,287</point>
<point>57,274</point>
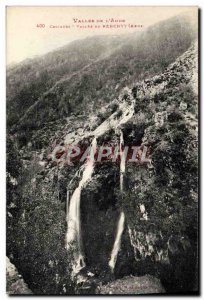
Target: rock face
<point>131,285</point>
<point>15,283</point>
<point>159,199</point>
<point>156,207</point>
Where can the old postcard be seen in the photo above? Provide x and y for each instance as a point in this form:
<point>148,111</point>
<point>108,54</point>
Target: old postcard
<point>102,150</point>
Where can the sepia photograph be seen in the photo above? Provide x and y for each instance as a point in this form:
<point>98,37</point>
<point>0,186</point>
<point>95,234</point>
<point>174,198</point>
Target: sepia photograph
<point>102,150</point>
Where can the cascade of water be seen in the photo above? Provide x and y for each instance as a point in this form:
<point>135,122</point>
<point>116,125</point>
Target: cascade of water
<point>122,161</point>
<point>121,222</point>
<point>117,243</point>
<point>73,235</point>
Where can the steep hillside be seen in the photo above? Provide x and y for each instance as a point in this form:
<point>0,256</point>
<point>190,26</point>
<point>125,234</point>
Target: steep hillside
<point>29,80</point>
<point>66,218</point>
<point>90,73</point>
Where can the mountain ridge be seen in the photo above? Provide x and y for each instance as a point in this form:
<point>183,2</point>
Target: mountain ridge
<point>90,84</point>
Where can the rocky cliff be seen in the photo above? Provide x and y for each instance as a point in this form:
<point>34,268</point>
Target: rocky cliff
<point>158,198</point>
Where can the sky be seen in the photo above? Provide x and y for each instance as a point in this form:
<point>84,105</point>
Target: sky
<point>30,29</point>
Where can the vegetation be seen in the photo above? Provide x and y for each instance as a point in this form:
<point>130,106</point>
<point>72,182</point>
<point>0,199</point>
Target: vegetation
<point>75,89</point>
<point>87,74</point>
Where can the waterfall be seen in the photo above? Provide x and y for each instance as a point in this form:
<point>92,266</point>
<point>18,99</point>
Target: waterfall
<point>73,235</point>
<point>117,243</point>
<point>122,161</point>
<point>121,222</point>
